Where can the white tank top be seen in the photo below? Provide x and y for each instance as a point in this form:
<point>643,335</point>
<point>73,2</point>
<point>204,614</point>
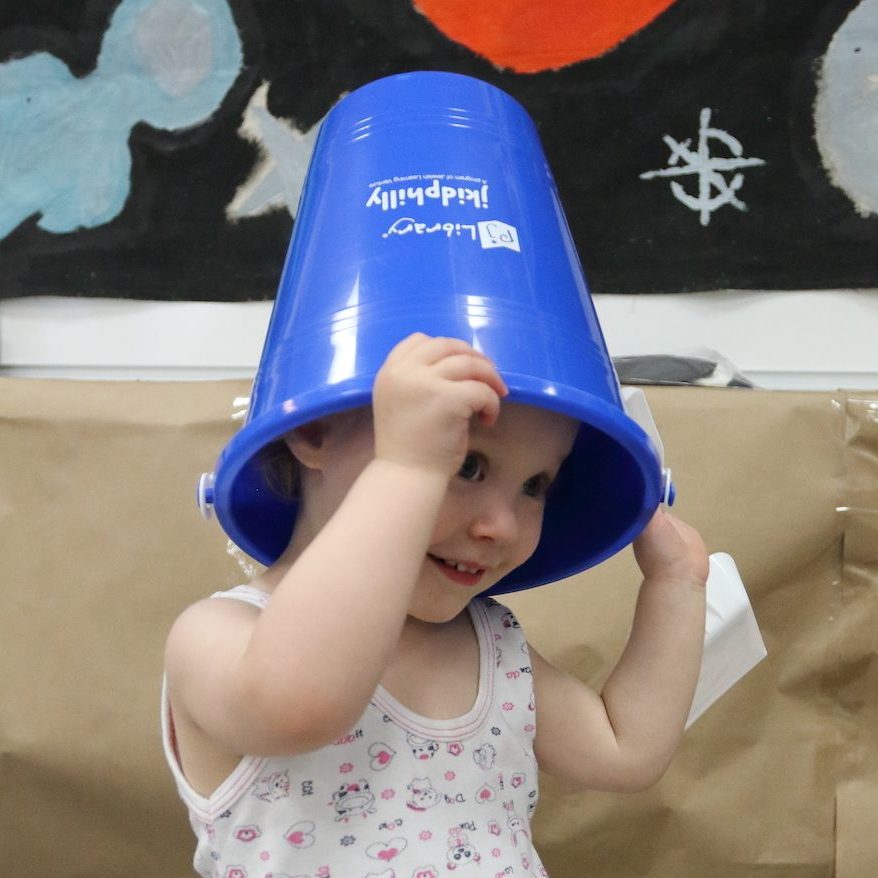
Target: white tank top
<point>398,796</point>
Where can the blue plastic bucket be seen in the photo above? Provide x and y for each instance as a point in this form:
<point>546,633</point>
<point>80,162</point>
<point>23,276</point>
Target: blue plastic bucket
<point>429,206</point>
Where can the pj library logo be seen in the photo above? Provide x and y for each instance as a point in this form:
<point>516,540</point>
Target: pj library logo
<point>488,233</point>
<point>446,192</point>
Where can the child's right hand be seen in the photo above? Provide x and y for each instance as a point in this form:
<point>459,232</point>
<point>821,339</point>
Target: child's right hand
<point>670,549</point>
<point>424,397</point>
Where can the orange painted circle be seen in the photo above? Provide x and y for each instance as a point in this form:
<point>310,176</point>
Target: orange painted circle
<point>528,36</point>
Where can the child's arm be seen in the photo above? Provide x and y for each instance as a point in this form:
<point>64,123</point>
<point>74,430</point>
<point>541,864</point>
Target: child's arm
<point>300,673</point>
<point>624,738</point>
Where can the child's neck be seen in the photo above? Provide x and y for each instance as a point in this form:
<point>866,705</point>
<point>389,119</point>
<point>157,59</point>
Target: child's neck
<point>434,670</point>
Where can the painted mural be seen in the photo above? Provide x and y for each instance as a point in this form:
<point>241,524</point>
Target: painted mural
<point>155,149</point>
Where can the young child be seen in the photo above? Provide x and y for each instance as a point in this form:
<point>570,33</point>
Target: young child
<point>358,710</point>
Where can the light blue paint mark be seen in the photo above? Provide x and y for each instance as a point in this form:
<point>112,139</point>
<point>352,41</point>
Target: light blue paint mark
<point>64,141</point>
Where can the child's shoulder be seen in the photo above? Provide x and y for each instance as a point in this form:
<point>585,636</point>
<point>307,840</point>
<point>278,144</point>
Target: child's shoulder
<point>233,601</point>
<point>239,600</point>
<point>204,624</point>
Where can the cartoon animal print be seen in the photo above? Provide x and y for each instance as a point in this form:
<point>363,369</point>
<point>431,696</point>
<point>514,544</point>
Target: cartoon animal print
<point>270,789</point>
<point>352,799</point>
<point>518,828</point>
<point>460,851</point>
<point>484,756</point>
<point>509,621</point>
<point>422,748</point>
<point>422,795</point>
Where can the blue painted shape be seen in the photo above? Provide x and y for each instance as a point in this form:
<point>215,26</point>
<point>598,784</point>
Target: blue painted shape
<point>64,141</point>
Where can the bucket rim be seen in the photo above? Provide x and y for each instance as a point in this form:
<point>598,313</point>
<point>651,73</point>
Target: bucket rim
<point>587,408</point>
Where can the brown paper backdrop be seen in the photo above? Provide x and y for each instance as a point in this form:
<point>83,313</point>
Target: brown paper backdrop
<point>102,547</point>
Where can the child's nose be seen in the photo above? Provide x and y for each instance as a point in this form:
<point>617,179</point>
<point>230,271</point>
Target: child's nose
<point>495,519</point>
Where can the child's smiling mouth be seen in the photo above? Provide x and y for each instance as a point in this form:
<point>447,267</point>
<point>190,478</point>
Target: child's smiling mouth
<point>458,571</point>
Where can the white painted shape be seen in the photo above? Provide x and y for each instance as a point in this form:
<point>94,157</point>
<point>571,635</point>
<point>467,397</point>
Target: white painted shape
<point>707,168</point>
<point>279,174</point>
<point>263,192</point>
<point>846,109</point>
<point>175,43</point>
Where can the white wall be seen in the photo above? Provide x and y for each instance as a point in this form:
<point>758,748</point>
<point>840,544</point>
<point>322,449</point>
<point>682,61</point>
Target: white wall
<point>797,340</point>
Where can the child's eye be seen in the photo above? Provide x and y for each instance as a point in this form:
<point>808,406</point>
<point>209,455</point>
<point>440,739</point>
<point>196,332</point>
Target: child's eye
<point>537,486</point>
<point>471,469</point>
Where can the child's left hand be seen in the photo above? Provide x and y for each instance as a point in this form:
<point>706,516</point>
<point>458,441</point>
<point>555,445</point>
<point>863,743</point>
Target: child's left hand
<point>671,549</point>
<point>624,738</point>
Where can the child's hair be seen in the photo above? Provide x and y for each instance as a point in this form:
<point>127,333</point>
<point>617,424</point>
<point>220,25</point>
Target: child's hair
<point>280,470</point>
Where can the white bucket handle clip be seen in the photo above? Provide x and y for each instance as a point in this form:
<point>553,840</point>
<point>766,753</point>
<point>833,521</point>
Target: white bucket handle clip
<point>204,495</point>
<point>637,408</point>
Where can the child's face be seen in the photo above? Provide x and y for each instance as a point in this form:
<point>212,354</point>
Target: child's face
<point>491,519</point>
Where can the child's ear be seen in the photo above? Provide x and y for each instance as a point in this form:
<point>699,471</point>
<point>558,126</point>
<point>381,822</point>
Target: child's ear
<point>306,443</point>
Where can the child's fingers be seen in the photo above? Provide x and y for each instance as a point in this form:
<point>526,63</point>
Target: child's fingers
<point>480,400</point>
<point>661,533</point>
<point>683,532</point>
<point>466,367</point>
<point>428,350</point>
<point>406,346</point>
<point>450,358</point>
<point>669,546</point>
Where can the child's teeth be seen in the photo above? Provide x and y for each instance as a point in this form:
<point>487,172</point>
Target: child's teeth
<point>459,565</point>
